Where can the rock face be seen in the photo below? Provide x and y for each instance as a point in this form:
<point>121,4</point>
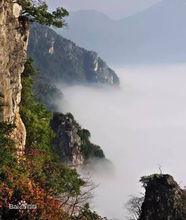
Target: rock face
<point>72,142</point>
<point>164,199</point>
<point>13,45</point>
<point>59,59</point>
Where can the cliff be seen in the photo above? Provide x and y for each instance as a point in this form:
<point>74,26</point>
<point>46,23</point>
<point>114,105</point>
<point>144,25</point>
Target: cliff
<point>38,178</point>
<point>60,60</point>
<point>71,142</point>
<point>164,199</point>
<point>13,49</point>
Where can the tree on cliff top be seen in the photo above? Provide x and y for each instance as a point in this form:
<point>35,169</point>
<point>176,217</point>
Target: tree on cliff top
<point>37,11</point>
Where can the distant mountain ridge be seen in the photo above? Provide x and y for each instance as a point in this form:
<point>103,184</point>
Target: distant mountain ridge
<point>60,60</point>
<point>156,34</point>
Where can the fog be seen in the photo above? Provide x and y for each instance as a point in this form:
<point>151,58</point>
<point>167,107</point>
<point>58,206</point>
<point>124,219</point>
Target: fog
<point>141,126</point>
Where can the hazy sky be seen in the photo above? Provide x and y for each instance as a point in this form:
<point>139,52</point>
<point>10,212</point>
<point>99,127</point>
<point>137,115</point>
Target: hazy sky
<point>113,8</point>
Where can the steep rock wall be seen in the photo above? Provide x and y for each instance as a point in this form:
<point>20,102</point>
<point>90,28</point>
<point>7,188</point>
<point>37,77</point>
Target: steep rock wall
<point>72,143</point>
<point>164,199</point>
<point>13,49</point>
<point>60,60</point>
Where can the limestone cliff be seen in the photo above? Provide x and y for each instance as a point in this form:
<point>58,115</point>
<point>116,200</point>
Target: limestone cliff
<point>164,199</point>
<point>60,60</point>
<point>13,49</point>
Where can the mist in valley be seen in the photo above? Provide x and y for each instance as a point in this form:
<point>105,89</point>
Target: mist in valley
<point>141,127</point>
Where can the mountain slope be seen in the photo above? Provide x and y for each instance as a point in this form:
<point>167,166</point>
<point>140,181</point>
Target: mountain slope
<point>60,60</point>
<point>156,34</point>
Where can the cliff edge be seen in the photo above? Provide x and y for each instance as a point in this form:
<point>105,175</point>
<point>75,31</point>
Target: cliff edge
<point>13,52</point>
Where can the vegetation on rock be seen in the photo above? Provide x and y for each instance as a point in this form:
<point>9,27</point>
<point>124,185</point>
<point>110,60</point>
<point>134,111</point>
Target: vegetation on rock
<point>47,94</point>
<point>61,61</point>
<point>39,178</point>
<point>37,185</point>
<point>88,149</point>
<point>71,140</point>
<point>164,198</point>
<point>38,11</point>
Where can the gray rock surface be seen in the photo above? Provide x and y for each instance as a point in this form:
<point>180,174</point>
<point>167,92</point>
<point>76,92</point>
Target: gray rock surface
<point>60,60</point>
<point>71,142</point>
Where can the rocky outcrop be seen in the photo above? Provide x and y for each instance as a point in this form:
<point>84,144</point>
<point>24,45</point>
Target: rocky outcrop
<point>60,60</point>
<point>71,142</point>
<point>164,199</point>
<point>13,49</point>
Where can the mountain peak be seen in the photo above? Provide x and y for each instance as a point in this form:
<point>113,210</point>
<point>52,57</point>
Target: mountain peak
<point>156,34</point>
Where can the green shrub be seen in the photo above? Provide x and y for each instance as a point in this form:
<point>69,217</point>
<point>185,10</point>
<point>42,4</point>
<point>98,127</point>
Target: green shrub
<point>44,165</point>
<point>88,149</point>
<point>38,11</point>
